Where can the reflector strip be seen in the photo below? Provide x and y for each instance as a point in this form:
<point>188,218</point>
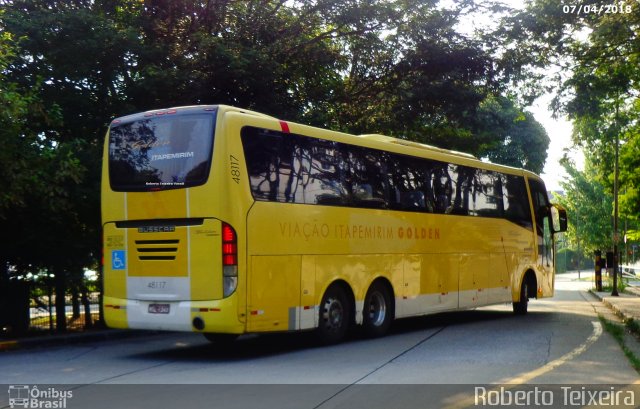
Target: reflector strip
<point>203,309</point>
<point>257,312</point>
<point>116,307</point>
<point>285,127</point>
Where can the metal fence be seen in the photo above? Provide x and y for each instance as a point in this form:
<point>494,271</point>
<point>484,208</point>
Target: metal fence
<point>42,313</point>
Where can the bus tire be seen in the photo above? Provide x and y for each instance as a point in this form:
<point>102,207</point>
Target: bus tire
<point>377,312</point>
<point>335,315</point>
<point>521,307</point>
<point>220,339</point>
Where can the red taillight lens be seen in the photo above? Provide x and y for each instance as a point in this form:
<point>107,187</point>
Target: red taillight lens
<point>229,260</point>
<point>228,234</point>
<point>229,246</point>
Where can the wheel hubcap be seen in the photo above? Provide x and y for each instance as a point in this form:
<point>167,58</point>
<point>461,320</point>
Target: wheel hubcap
<point>377,309</point>
<point>333,315</point>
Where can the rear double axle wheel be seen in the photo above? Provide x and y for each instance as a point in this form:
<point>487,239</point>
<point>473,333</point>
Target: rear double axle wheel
<point>378,310</point>
<point>336,312</point>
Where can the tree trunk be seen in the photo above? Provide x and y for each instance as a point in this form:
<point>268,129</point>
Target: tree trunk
<point>87,308</point>
<point>75,301</point>
<point>61,290</point>
<point>50,303</point>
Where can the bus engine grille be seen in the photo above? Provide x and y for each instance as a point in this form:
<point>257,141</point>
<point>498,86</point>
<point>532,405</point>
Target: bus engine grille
<point>157,250</point>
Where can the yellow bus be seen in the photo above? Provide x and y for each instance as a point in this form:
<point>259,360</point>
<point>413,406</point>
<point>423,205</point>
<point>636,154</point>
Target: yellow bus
<point>224,221</point>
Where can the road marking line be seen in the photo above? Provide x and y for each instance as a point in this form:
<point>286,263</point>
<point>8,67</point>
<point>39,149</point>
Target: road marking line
<point>510,383</point>
<point>597,331</point>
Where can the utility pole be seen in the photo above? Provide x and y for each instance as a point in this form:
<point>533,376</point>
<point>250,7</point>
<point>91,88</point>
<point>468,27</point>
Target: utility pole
<point>578,238</point>
<point>615,207</point>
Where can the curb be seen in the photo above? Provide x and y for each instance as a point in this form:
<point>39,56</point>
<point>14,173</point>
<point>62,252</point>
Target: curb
<point>69,339</point>
<point>617,311</point>
<point>7,345</point>
<point>620,313</point>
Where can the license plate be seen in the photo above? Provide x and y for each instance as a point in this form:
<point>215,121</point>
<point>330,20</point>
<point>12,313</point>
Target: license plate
<point>159,308</point>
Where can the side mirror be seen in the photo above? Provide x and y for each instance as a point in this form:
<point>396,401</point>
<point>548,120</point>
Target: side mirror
<point>558,219</point>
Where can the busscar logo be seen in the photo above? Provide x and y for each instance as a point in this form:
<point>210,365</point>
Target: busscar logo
<point>156,229</point>
<point>32,397</point>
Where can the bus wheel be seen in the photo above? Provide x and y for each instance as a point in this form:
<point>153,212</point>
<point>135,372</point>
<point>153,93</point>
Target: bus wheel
<point>378,310</point>
<point>335,315</point>
<point>520,307</point>
<point>220,339</point>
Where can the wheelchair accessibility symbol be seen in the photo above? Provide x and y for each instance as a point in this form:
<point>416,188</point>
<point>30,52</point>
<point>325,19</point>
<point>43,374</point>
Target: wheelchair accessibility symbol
<point>118,258</point>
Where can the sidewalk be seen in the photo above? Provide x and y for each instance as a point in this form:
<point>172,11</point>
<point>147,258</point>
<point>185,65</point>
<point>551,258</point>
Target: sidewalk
<point>71,338</point>
<point>626,305</point>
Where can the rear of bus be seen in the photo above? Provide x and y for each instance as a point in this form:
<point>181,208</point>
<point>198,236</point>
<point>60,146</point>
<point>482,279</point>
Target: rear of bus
<point>170,237</point>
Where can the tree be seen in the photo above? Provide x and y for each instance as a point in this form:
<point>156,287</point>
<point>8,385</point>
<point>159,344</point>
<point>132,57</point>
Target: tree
<point>589,207</point>
<point>630,175</point>
<point>52,145</point>
<point>522,141</point>
<point>595,56</point>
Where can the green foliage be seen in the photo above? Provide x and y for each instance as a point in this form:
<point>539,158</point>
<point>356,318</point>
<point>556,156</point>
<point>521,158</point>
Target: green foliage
<point>569,259</point>
<point>596,57</point>
<point>523,142</point>
<point>630,171</point>
<point>589,207</point>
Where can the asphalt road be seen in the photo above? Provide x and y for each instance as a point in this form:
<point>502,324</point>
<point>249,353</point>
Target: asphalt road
<point>435,361</point>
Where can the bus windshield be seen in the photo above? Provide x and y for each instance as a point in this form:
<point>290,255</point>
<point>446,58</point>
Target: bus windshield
<point>161,152</point>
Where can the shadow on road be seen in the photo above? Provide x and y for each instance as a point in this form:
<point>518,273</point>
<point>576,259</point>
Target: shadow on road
<point>193,347</point>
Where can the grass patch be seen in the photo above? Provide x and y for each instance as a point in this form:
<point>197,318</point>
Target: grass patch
<point>607,284</point>
<point>618,332</point>
<point>633,326</point>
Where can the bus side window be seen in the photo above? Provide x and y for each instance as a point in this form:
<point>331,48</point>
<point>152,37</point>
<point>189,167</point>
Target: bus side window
<point>442,189</point>
<point>486,195</point>
<point>277,165</point>
<point>516,202</point>
<point>412,200</point>
<point>410,180</point>
<point>326,184</point>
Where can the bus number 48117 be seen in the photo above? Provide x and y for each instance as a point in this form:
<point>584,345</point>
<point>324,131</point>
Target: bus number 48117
<point>235,169</point>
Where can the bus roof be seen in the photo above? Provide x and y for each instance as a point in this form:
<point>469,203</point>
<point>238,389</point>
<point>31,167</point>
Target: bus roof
<point>403,146</point>
<point>378,141</point>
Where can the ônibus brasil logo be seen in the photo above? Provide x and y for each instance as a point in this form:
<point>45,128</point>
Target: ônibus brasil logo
<point>32,397</point>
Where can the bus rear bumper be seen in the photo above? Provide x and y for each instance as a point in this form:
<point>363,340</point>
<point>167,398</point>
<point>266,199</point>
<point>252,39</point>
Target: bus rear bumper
<point>219,316</point>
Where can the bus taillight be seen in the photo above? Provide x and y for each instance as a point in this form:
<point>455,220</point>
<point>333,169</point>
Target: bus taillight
<point>229,260</point>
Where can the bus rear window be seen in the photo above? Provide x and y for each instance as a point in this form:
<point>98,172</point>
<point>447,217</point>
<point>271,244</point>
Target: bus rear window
<point>161,152</point>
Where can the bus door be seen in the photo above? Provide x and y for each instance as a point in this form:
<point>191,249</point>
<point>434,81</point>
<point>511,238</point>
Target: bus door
<point>544,238</point>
